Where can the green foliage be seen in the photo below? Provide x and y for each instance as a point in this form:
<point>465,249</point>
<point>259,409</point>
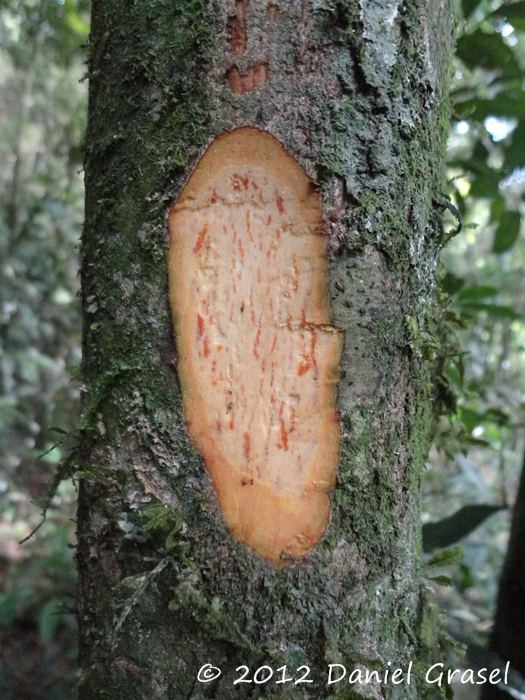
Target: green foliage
<point>41,583</point>
<point>37,612</point>
<point>473,474</point>
<point>40,220</point>
<point>490,52</point>
<point>42,122</point>
<point>507,231</point>
<point>446,557</point>
<point>162,517</point>
<point>468,7</point>
<point>513,13</point>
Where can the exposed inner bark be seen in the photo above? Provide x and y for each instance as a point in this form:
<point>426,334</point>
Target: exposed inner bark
<point>258,358</point>
<point>255,76</point>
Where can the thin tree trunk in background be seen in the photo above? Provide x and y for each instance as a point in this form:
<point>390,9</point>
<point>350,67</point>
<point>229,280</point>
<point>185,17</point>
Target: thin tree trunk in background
<point>357,94</point>
<point>508,636</point>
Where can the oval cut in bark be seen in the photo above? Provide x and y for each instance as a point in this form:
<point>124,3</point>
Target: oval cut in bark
<point>258,359</point>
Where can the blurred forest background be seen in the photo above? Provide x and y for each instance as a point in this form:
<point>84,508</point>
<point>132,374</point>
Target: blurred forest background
<point>480,440</point>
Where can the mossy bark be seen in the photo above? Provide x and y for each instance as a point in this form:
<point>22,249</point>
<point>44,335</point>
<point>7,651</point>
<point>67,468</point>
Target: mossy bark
<point>357,93</point>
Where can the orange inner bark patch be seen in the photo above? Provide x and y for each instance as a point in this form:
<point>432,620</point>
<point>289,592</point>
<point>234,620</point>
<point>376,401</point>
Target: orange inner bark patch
<point>238,28</point>
<point>258,359</point>
<point>255,77</point>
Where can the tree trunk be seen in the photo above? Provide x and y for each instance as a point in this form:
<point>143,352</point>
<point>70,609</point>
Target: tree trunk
<point>357,95</point>
<point>506,640</point>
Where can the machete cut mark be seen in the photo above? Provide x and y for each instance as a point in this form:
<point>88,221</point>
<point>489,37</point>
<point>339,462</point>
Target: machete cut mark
<point>237,27</point>
<point>272,12</point>
<point>259,359</point>
<point>255,76</point>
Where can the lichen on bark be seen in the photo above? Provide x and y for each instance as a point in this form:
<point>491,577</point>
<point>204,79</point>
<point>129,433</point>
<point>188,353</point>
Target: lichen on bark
<point>356,92</point>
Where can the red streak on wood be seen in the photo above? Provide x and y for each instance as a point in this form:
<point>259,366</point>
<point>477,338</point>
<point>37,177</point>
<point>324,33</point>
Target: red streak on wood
<point>200,325</point>
<point>200,240</point>
<point>257,338</point>
<point>284,436</point>
<point>206,347</point>
<point>247,445</point>
<point>280,206</point>
<point>304,366</point>
<point>314,341</point>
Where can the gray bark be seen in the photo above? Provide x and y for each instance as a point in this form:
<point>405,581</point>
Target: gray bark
<point>357,93</point>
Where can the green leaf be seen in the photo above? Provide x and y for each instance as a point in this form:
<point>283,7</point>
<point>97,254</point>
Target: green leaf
<point>488,51</point>
<point>160,516</point>
<point>461,204</point>
<point>468,7</point>
<point>473,308</point>
<point>497,208</point>
<point>470,420</point>
<point>75,22</point>
<point>449,530</point>
<point>515,151</point>
<point>477,442</point>
<point>507,232</point>
<point>513,13</point>
<point>442,580</point>
<point>466,578</point>
<point>451,283</point>
<point>446,556</point>
<point>485,180</point>
<point>496,415</point>
<point>508,104</point>
<point>477,292</point>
